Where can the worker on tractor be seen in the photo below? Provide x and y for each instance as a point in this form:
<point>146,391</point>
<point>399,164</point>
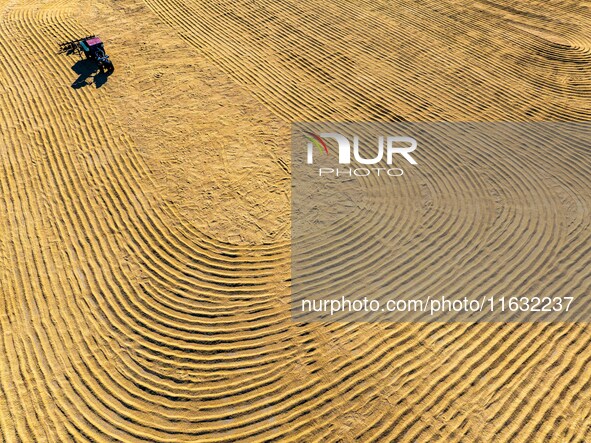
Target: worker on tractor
<point>93,48</point>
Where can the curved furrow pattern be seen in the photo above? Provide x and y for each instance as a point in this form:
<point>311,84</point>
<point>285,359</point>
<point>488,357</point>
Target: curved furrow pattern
<point>125,319</point>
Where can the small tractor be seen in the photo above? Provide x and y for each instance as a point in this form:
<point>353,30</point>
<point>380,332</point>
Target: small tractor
<point>92,48</point>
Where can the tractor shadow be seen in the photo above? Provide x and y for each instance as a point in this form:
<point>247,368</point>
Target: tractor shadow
<point>88,74</point>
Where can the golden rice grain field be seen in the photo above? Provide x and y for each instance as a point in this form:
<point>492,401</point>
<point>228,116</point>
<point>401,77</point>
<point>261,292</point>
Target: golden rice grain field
<point>145,222</point>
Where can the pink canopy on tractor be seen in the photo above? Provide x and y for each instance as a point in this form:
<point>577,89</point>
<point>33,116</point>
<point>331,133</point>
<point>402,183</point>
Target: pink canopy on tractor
<point>93,41</point>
